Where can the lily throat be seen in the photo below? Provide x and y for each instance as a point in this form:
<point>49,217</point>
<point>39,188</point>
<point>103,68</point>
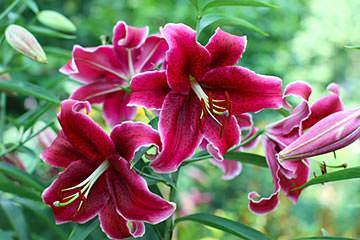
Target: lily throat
<point>81,191</point>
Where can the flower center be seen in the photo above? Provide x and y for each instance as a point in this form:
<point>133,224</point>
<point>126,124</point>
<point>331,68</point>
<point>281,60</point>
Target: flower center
<point>82,190</point>
<point>212,107</point>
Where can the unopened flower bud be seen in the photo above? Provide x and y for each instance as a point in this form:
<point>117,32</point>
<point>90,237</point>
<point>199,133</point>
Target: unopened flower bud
<point>56,21</point>
<point>330,134</point>
<point>23,41</point>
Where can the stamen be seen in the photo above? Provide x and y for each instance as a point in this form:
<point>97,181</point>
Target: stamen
<point>82,189</point>
<point>210,105</point>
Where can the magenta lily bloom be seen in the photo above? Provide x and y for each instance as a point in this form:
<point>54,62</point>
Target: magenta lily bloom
<point>336,131</point>
<point>291,174</point>
<point>106,71</point>
<point>97,179</point>
<point>200,92</point>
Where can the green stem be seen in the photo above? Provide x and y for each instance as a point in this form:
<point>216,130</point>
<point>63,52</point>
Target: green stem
<point>172,198</point>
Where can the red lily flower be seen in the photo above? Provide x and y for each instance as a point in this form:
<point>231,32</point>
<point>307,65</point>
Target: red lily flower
<point>106,71</point>
<point>291,174</point>
<point>97,179</point>
<point>199,92</point>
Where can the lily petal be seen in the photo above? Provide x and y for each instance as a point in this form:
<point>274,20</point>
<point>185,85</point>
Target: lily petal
<point>225,49</point>
<point>116,109</point>
<point>149,89</point>
<point>299,89</point>
<point>231,168</point>
<point>128,36</point>
<point>132,198</point>
<point>83,133</point>
<point>267,204</point>
<point>179,128</point>
<point>96,92</point>
<point>61,152</point>
<point>325,106</point>
<point>74,174</point>
<point>185,56</point>
<point>248,91</point>
<point>129,137</point>
<point>150,54</point>
<point>95,63</point>
<point>115,226</point>
<point>220,138</point>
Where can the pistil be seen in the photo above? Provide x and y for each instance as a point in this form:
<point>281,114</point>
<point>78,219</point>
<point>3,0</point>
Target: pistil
<point>83,188</point>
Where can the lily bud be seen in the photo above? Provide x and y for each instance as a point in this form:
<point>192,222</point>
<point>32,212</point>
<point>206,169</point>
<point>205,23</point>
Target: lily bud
<point>56,21</point>
<point>23,41</point>
<point>330,134</point>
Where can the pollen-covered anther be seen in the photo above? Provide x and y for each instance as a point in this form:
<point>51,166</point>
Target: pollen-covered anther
<point>82,189</point>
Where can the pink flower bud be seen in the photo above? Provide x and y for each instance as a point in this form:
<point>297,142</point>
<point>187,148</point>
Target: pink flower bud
<point>330,134</point>
<point>23,41</point>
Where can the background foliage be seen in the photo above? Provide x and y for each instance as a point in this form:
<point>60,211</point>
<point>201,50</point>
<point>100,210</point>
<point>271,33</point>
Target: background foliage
<point>305,41</point>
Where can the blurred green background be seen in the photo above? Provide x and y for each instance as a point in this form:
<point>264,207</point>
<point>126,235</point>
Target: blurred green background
<point>306,42</point>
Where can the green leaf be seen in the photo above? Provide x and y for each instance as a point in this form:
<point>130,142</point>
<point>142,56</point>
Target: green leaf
<point>353,46</point>
<point>325,238</point>
<point>81,232</point>
<point>195,3</point>
<point>32,5</point>
<point>210,19</point>
<point>8,9</point>
<point>249,158</point>
<point>20,176</point>
<point>29,118</point>
<point>348,173</point>
<point>59,52</point>
<point>246,3</point>
<point>27,89</point>
<point>151,233</point>
<point>50,33</point>
<point>9,186</point>
<point>225,225</point>
<point>16,217</point>
<point>6,235</point>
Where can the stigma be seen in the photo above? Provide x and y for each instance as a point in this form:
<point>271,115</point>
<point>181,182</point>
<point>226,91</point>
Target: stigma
<point>82,190</point>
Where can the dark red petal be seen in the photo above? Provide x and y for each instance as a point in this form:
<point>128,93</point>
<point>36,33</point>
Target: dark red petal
<point>180,133</point>
<point>132,198</point>
<point>150,54</point>
<point>83,133</point>
<point>97,91</point>
<point>149,89</point>
<point>93,64</point>
<point>249,92</point>
<point>129,137</point>
<point>225,49</point>
<point>128,36</point>
<point>61,152</point>
<point>185,56</point>
<point>324,107</point>
<point>74,174</point>
<point>116,109</point>
<point>116,226</point>
<point>220,138</point>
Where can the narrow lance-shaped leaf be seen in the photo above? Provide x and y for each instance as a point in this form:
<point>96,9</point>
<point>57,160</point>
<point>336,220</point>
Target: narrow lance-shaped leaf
<point>27,89</point>
<point>348,173</point>
<point>81,232</point>
<point>16,217</point>
<point>209,19</point>
<point>353,47</point>
<point>226,225</point>
<point>325,238</point>
<point>246,3</point>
